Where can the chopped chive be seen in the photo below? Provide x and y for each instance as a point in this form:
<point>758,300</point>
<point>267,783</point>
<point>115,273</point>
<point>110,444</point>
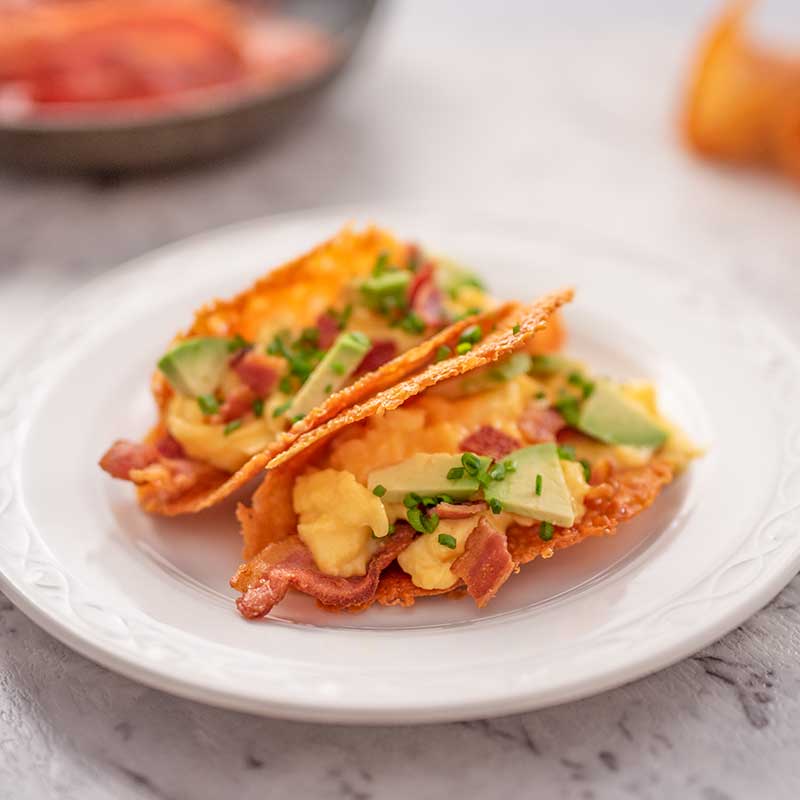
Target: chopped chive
<point>515,329</point>
<point>258,407</point>
<point>472,335</point>
<point>546,531</point>
<point>412,500</point>
<point>232,426</point>
<point>566,452</point>
<point>443,352</point>
<point>412,323</point>
<point>471,463</point>
<point>540,395</point>
<point>568,407</point>
<point>338,367</point>
<point>414,517</point>
<point>296,418</point>
<point>309,336</point>
<point>285,384</point>
<point>208,404</point>
<point>379,491</point>
<point>498,472</point>
<point>430,522</point>
<point>391,528</point>
<point>456,473</point>
<point>495,505</point>
<point>587,470</point>
<point>463,347</point>
<point>281,409</point>
<point>445,498</point>
<point>538,485</point>
<point>328,388</point>
<point>237,343</point>
<point>429,502</point>
<point>381,264</point>
<point>446,540</point>
<point>510,465</point>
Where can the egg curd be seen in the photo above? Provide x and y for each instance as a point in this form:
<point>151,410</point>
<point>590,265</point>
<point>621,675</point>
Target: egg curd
<point>205,441</point>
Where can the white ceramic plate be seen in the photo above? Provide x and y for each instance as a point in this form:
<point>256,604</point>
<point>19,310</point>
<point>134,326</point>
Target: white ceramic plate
<point>149,597</point>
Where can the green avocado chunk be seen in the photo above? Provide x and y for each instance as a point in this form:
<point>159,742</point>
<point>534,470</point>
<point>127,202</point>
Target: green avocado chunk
<point>517,491</point>
<point>552,364</point>
<point>332,372</point>
<point>611,417</point>
<point>425,474</point>
<point>195,367</point>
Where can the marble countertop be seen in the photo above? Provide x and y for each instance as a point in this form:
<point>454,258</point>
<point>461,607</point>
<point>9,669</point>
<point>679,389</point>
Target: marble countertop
<point>563,115</point>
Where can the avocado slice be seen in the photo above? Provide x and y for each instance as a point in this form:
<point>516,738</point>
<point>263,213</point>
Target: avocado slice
<point>517,491</point>
<point>332,372</point>
<point>195,367</point>
<point>613,418</point>
<point>552,364</point>
<point>387,290</point>
<point>425,474</point>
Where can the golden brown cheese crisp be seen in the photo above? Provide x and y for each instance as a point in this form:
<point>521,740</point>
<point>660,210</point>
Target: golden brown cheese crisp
<point>306,286</point>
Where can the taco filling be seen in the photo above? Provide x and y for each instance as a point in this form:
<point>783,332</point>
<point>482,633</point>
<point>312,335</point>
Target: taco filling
<point>253,368</point>
<point>461,484</point>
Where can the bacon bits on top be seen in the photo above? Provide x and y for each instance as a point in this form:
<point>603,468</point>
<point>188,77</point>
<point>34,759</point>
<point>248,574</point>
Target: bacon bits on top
<point>489,441</point>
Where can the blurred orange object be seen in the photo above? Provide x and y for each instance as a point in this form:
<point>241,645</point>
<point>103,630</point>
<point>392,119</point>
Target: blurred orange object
<point>743,103</point>
<point>82,55</point>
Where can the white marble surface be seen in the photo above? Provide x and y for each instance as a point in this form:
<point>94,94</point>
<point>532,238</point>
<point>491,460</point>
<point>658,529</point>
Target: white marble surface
<point>559,113</point>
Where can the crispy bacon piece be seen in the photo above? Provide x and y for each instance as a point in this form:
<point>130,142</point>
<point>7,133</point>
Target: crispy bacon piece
<point>295,569</point>
<point>425,297</point>
<point>459,510</point>
<point>236,405</point>
<point>328,329</point>
<point>539,424</point>
<point>169,447</point>
<point>258,371</point>
<point>489,441</point>
<point>485,565</point>
<point>381,351</point>
<point>124,455</point>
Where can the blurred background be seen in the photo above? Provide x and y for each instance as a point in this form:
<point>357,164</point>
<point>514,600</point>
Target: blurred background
<point>566,112</point>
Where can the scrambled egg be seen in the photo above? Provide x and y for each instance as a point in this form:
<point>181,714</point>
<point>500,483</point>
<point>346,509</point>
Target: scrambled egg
<point>429,424</point>
<point>428,562</point>
<point>206,442</point>
<point>577,486</point>
<point>338,518</point>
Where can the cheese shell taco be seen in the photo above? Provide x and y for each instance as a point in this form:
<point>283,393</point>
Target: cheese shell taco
<point>311,338</point>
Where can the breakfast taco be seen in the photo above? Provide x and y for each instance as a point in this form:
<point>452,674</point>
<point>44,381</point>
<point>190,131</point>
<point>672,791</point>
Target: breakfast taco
<point>253,373</point>
<point>452,479</point>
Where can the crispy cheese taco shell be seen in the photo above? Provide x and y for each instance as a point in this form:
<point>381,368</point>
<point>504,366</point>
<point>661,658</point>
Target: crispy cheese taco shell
<point>743,99</point>
<point>271,517</point>
<point>305,287</point>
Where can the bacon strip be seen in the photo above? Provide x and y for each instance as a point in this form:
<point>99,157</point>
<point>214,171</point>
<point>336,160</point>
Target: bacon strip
<point>540,424</point>
<point>258,371</point>
<point>236,405</point>
<point>381,351</point>
<point>459,510</point>
<point>124,455</point>
<point>485,565</point>
<point>328,329</point>
<point>296,570</point>
<point>169,447</point>
<point>425,297</point>
<point>489,441</point>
